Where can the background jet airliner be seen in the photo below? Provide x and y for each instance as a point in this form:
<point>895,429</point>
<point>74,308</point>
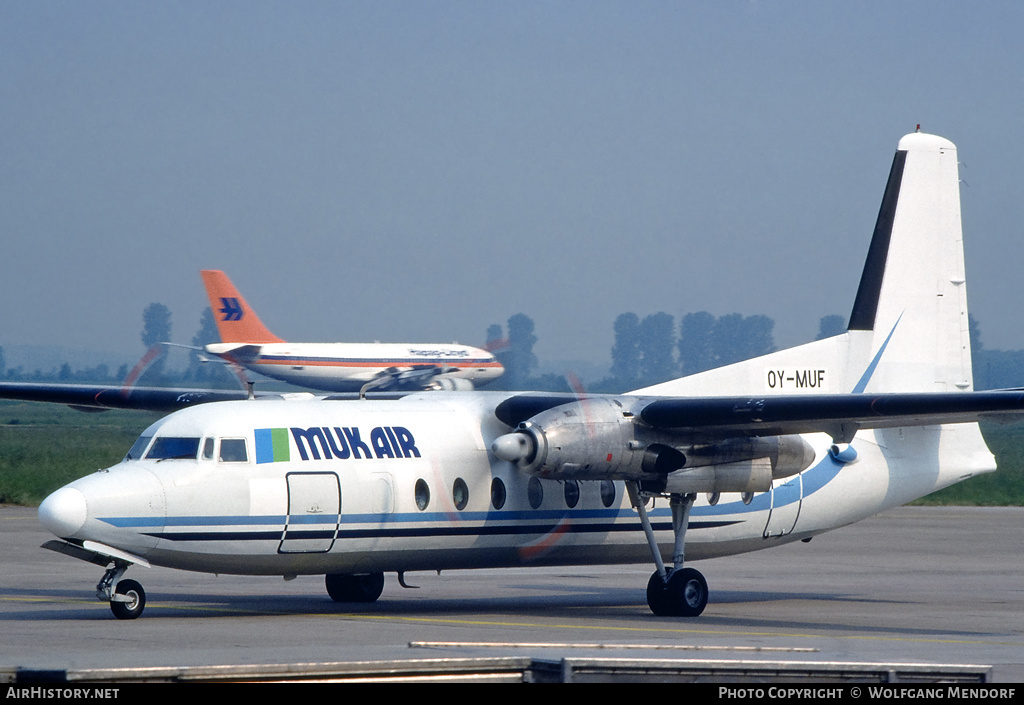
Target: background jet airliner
<point>753,455</point>
<point>339,367</point>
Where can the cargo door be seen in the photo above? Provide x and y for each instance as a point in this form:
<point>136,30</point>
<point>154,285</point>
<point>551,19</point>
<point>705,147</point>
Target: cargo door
<point>786,498</point>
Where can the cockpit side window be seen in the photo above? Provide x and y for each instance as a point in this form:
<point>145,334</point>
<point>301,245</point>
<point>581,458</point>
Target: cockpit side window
<point>232,450</point>
<point>208,449</point>
<point>138,448</point>
<point>173,447</point>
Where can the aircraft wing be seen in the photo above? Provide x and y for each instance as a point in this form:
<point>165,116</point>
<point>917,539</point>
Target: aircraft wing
<point>710,441</point>
<point>837,414</point>
<point>98,397</point>
<point>702,419</point>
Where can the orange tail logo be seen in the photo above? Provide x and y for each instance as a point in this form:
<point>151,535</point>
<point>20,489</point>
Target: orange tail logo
<point>236,321</point>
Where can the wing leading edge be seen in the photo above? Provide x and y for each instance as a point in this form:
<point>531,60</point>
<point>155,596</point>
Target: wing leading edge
<point>840,415</point>
<point>99,397</point>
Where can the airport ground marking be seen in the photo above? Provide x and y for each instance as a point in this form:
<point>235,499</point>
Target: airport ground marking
<point>644,627</point>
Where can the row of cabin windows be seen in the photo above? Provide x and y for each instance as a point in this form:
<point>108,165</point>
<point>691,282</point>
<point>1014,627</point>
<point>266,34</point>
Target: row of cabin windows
<point>233,450</point>
<point>534,493</point>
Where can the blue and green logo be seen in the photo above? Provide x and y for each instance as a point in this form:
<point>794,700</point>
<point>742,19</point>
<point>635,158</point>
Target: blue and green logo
<point>272,445</point>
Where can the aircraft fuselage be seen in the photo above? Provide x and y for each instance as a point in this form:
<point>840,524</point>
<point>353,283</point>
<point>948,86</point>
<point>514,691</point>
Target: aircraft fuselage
<point>346,367</point>
<point>285,487</point>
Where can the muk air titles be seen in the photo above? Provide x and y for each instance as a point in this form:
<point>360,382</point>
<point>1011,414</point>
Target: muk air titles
<point>334,442</point>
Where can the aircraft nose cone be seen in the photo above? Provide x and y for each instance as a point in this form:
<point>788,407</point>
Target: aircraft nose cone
<point>64,512</point>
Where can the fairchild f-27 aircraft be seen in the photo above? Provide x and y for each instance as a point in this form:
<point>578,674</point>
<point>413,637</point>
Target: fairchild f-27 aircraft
<point>750,456</point>
<point>339,367</point>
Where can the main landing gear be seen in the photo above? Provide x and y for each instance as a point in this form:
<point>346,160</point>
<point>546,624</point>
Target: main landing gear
<point>127,598</point>
<point>675,591</point>
<point>355,588</point>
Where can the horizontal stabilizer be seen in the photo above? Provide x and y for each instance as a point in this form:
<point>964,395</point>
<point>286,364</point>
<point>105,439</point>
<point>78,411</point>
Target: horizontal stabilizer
<point>239,352</point>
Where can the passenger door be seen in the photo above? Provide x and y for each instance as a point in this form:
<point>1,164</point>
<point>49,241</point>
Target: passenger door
<point>314,511</point>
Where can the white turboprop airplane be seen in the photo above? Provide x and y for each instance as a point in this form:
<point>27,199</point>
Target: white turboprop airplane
<point>754,455</point>
<point>339,367</point>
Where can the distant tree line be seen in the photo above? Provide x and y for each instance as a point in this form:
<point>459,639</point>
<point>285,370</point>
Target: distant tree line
<point>994,369</point>
<point>152,368</point>
<point>646,351</point>
<point>653,349</point>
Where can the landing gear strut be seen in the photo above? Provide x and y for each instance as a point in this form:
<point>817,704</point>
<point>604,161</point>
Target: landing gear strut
<point>675,591</point>
<point>127,598</point>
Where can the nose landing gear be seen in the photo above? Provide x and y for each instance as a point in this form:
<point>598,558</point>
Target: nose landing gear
<point>127,598</point>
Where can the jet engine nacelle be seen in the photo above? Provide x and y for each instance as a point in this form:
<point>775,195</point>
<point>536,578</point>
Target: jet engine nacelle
<point>451,384</point>
<point>600,439</point>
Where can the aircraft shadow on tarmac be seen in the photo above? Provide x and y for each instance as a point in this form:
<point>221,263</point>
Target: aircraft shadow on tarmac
<point>736,608</point>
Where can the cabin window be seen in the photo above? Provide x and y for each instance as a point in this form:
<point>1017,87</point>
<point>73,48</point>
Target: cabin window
<point>208,449</point>
<point>572,493</point>
<point>607,493</point>
<point>498,495</point>
<point>460,494</point>
<point>232,450</point>
<point>535,492</point>
<point>173,448</point>
<point>422,494</point>
<point>138,448</point>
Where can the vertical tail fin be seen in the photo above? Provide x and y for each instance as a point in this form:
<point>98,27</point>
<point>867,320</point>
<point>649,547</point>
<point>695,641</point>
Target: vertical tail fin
<point>908,331</point>
<point>912,299</point>
<point>236,321</point>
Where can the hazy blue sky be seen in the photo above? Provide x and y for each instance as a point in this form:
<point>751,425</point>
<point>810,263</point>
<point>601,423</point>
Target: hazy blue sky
<point>415,171</point>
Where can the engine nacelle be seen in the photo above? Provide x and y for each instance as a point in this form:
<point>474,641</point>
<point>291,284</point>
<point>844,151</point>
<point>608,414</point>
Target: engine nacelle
<point>586,439</point>
<point>742,476</point>
<point>600,439</point>
<point>450,384</point>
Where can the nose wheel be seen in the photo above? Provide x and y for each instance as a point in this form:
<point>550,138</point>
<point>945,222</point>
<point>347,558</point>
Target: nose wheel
<point>127,598</point>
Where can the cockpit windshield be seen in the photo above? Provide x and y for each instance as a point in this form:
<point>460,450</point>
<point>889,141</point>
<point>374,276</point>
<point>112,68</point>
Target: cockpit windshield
<point>173,447</point>
<point>138,448</point>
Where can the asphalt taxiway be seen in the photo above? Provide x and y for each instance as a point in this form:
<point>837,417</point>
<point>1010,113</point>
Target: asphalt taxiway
<point>912,585</point>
